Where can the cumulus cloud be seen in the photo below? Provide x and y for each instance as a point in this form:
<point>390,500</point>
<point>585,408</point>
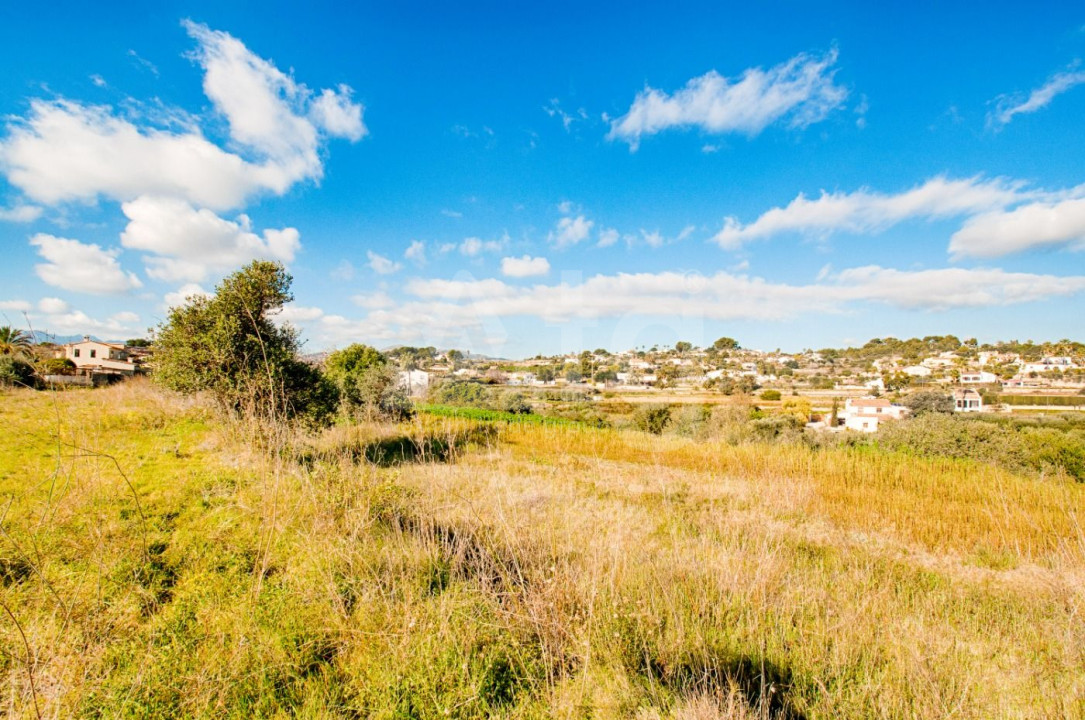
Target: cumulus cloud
<point>373,301</point>
<point>267,111</point>
<point>1009,106</point>
<point>183,294</point>
<point>450,310</point>
<point>170,178</point>
<point>607,237</point>
<point>570,231</point>
<point>1028,227</point>
<point>52,305</point>
<point>867,211</point>
<point>15,305</point>
<point>20,213</point>
<point>75,322</point>
<point>80,267</point>
<point>187,244</point>
<point>526,266</point>
<point>416,252</point>
<point>800,91</point>
<point>382,265</point>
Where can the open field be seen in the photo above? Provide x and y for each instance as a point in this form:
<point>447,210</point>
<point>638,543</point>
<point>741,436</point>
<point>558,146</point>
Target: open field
<point>159,562</point>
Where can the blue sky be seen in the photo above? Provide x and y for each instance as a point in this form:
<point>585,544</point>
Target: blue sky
<point>541,179</point>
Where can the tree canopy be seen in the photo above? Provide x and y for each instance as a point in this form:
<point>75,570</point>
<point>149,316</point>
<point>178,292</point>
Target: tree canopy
<point>227,345</point>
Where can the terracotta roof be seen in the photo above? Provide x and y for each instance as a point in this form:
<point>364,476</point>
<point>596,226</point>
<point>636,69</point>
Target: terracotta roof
<point>869,402</point>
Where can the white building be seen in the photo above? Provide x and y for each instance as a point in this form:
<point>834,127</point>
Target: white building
<point>415,382</point>
<point>978,377</point>
<point>94,356</point>
<point>917,371</point>
<point>865,414</point>
<point>967,400</point>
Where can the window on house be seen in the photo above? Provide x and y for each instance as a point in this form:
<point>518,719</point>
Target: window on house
<point>75,352</point>
<point>94,353</point>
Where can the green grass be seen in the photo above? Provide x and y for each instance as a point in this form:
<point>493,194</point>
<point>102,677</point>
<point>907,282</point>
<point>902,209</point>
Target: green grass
<point>483,415</point>
<point>481,566</point>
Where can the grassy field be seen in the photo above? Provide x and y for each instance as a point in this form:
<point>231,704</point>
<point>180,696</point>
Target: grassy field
<point>159,562</point>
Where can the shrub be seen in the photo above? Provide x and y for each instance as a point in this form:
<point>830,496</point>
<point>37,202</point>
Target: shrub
<point>928,401</point>
<point>464,393</point>
<point>516,404</point>
<point>770,395</point>
<point>58,366</point>
<point>652,418</point>
<point>16,372</point>
<point>692,421</point>
<point>367,384</point>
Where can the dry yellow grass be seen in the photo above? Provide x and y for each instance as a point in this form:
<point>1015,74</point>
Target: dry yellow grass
<point>437,570</point>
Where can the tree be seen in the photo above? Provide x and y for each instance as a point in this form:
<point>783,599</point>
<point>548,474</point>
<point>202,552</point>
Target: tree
<point>14,341</point>
<point>15,372</point>
<point>930,401</point>
<point>682,346</point>
<point>58,366</point>
<point>367,383</point>
<point>546,374</point>
<point>652,418</point>
<point>725,343</point>
<point>137,342</point>
<point>227,345</point>
<point>896,381</point>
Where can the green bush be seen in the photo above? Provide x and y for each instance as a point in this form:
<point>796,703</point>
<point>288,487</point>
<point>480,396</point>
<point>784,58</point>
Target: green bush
<point>16,372</point>
<point>928,401</point>
<point>367,384</point>
<point>58,366</point>
<point>463,393</point>
<point>770,395</point>
<point>515,403</point>
<point>652,418</point>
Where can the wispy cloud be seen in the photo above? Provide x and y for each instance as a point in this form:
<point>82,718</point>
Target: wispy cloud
<point>382,265</point>
<point>800,92</point>
<point>1009,106</point>
<point>868,211</point>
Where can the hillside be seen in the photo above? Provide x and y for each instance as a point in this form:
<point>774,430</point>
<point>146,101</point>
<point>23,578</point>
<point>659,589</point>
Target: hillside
<point>156,565</point>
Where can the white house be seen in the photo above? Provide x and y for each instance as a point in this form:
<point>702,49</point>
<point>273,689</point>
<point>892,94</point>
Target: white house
<point>865,414</point>
<point>917,371</point>
<point>95,356</point>
<point>415,382</point>
<point>978,377</point>
<point>967,400</point>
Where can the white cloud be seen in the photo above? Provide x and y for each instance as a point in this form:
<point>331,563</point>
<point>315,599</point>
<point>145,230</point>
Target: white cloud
<point>79,267</point>
<point>20,213</point>
<point>98,80</point>
<point>866,211</point>
<point>373,301</point>
<point>77,322</point>
<point>181,295</point>
<point>473,246</point>
<point>380,264</point>
<point>343,271</point>
<point>800,90</point>
<point>1007,106</point>
<point>64,151</point>
<point>416,252</point>
<point>570,231</point>
<point>53,306</point>
<point>451,213</point>
<point>339,117</point>
<point>450,310</point>
<point>525,266</point>
<point>15,305</point>
<point>553,109</point>
<point>298,313</point>
<point>607,237</point>
<point>189,244</point>
<point>1028,227</point>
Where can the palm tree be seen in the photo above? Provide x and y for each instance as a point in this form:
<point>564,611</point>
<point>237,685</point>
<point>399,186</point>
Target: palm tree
<point>13,341</point>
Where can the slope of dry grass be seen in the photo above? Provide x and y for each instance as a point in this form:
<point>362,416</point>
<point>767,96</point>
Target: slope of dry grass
<point>158,563</point>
